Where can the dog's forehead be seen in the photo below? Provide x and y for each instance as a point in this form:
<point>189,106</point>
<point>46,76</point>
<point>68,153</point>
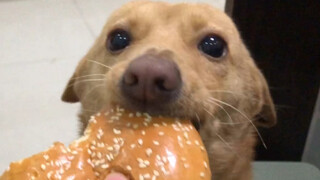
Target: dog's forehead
<point>194,15</point>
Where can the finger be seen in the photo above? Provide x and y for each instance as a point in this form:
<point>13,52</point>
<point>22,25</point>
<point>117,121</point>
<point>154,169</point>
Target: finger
<point>116,176</point>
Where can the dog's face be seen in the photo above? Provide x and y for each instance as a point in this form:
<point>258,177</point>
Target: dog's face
<point>182,60</point>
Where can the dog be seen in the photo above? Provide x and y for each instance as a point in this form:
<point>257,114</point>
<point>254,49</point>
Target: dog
<point>179,60</point>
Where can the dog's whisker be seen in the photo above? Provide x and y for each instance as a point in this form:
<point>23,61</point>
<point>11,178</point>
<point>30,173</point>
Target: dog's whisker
<point>101,64</point>
<point>245,116</point>
<point>92,89</point>
<point>225,111</point>
<point>224,141</point>
<point>234,94</point>
<point>86,80</point>
<point>89,75</point>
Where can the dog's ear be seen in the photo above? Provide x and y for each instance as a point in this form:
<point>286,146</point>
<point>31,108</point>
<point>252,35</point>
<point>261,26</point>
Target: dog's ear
<point>69,94</point>
<point>267,116</point>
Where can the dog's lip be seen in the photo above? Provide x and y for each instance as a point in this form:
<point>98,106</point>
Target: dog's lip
<point>155,111</point>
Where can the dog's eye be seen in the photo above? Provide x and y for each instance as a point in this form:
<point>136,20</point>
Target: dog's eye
<point>213,46</point>
<point>118,40</point>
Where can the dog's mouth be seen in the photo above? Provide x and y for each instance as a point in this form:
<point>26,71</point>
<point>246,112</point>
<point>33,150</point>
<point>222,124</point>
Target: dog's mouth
<point>164,110</point>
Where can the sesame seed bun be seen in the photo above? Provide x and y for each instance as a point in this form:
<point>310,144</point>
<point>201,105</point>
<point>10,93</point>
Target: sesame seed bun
<point>135,144</point>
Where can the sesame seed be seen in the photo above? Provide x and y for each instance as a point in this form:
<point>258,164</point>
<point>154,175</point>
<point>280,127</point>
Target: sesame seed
<point>94,142</point>
<point>131,115</point>
<point>89,151</point>
<point>129,168</point>
<point>138,114</point>
<point>146,162</point>
<point>179,138</point>
<point>164,124</point>
<point>116,147</point>
<point>141,177</point>
<point>147,115</point>
<point>202,148</point>
<point>197,142</point>
<point>156,173</point>
<point>156,143</point>
<point>43,167</point>
<point>183,159</point>
<point>46,157</point>
<point>156,125</point>
<point>143,132</point>
<point>49,174</point>
<point>164,159</point>
<point>114,118</point>
<point>105,166</point>
<point>161,133</point>
<point>96,173</point>
<point>141,165</point>
<point>132,146</point>
<point>121,141</point>
<point>99,155</point>
<point>147,176</point>
<point>205,164</point>
<point>101,145</point>
<point>128,124</point>
<point>158,157</point>
<point>115,140</point>
<point>154,177</point>
<point>135,126</point>
<point>74,152</point>
<point>139,160</point>
<point>148,152</point>
<point>110,148</point>
<point>147,120</point>
<point>145,124</point>
<point>202,174</point>
<point>188,142</point>
<point>186,165</point>
<point>106,113</point>
<point>116,131</point>
<point>140,142</point>
<point>185,134</point>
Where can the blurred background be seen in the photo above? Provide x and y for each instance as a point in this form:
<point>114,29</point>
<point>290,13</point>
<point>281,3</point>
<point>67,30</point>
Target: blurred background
<point>41,42</point>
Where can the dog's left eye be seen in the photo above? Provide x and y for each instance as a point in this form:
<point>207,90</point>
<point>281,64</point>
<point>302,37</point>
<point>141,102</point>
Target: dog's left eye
<point>118,40</point>
<point>213,46</point>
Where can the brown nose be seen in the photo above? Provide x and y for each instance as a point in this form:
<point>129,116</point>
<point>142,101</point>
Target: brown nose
<point>151,80</point>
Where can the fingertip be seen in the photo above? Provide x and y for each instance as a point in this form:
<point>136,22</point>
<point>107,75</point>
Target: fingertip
<point>116,176</point>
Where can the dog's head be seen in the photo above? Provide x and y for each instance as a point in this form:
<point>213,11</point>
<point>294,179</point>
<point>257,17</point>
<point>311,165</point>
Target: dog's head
<point>183,60</point>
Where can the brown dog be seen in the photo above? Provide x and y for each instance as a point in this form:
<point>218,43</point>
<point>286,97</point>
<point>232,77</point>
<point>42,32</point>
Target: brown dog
<point>181,60</point>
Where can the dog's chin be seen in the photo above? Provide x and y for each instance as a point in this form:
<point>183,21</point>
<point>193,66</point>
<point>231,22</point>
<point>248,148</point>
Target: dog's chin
<point>160,109</point>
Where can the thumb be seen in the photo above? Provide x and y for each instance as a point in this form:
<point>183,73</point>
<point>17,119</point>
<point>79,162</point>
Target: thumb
<point>116,176</point>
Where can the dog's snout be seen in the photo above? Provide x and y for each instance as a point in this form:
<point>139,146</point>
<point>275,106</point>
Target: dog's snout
<point>150,79</point>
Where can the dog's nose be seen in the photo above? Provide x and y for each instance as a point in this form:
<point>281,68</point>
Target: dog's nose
<point>151,80</point>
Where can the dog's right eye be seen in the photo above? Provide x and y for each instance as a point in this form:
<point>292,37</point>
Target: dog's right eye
<point>213,46</point>
<point>118,40</point>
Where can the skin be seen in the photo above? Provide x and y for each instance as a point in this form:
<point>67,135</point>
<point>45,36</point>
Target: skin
<point>116,176</point>
<point>226,95</point>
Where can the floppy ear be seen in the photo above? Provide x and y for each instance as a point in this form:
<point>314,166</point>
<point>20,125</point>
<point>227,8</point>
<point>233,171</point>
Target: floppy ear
<point>69,94</point>
<point>267,116</point>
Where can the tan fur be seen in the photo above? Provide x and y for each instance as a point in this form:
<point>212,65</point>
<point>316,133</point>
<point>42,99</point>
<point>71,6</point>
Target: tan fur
<point>174,31</point>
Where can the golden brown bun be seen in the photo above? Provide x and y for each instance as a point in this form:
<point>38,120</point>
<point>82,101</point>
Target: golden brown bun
<point>135,144</point>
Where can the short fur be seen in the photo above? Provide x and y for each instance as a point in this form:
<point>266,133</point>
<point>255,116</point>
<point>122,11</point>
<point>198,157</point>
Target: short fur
<point>225,94</point>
